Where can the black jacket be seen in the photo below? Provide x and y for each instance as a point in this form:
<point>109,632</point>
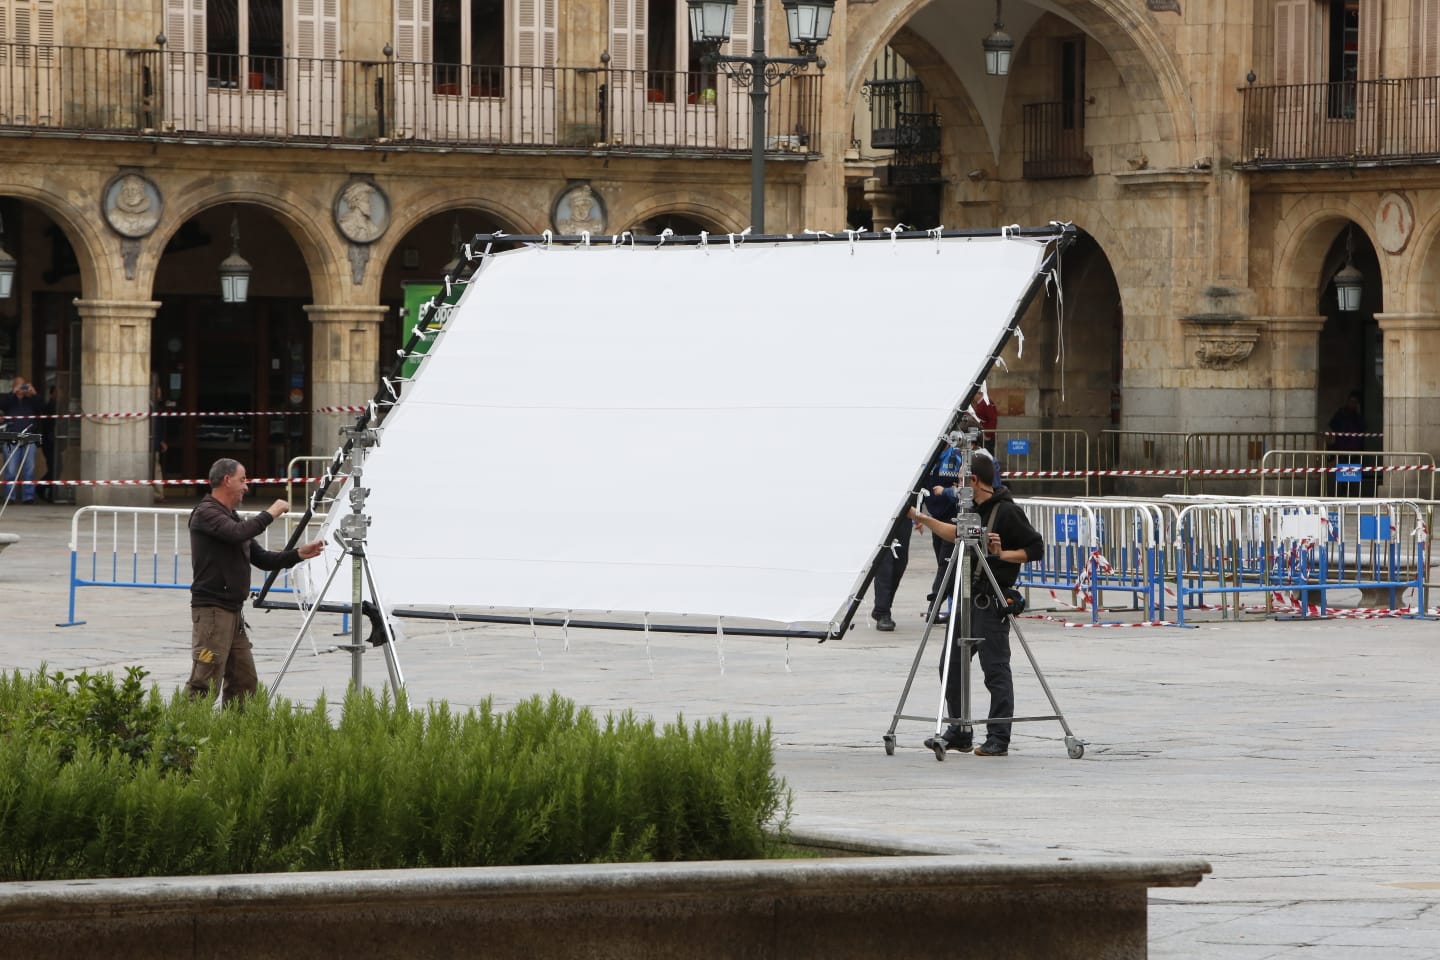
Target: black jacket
<point>1015,534</point>
<point>222,551</point>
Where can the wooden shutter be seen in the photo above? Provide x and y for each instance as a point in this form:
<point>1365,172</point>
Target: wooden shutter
<point>534,33</point>
<point>1294,41</point>
<point>740,30</point>
<point>185,84</point>
<point>1424,38</point>
<point>413,20</point>
<point>316,30</point>
<point>627,34</point>
<point>1372,21</point>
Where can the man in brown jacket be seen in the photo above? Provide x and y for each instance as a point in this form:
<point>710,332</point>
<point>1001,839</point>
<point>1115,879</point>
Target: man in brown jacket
<point>222,550</point>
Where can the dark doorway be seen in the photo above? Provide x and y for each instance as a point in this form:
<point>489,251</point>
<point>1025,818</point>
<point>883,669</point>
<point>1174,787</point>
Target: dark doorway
<point>230,362</point>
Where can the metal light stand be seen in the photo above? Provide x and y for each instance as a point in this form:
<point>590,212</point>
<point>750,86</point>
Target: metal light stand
<point>15,441</point>
<point>970,548</point>
<point>759,73</point>
<point>351,537</point>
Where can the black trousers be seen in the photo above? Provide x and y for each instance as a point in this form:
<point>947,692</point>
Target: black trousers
<point>890,566</point>
<point>940,586</point>
<point>990,625</point>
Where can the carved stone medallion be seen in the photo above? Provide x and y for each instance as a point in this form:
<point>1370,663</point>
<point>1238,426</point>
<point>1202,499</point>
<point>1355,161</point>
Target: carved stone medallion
<point>362,212</point>
<point>131,204</point>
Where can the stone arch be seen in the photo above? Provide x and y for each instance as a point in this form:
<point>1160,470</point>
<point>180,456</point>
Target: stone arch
<point>87,236</point>
<point>423,205</point>
<point>1418,276</point>
<point>729,219</point>
<point>1300,253</point>
<point>321,249</point>
<point>1138,49</point>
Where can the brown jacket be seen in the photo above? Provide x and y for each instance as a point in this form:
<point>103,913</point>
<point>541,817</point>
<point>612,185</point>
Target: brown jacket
<point>222,550</point>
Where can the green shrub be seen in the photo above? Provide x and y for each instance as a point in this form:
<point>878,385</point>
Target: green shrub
<point>99,778</point>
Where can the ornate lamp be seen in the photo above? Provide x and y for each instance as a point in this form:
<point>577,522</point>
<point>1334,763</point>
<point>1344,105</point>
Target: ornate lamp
<point>7,267</point>
<point>808,22</point>
<point>234,269</point>
<point>1349,282</point>
<point>712,21</point>
<point>998,47</point>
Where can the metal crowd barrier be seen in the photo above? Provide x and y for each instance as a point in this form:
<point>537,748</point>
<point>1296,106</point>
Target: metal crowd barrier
<point>309,471</point>
<point>1392,475</point>
<point>1199,552</point>
<point>1021,451</point>
<point>1099,546</point>
<point>145,547</point>
<point>1292,553</point>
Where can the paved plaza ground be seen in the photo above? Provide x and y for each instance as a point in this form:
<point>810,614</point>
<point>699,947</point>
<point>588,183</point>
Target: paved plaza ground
<point>1300,758</point>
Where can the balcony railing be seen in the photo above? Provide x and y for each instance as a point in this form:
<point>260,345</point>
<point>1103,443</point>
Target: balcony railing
<point>1312,124</point>
<point>1054,140</point>
<point>208,96</point>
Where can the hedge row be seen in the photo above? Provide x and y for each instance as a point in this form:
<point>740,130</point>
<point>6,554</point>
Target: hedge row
<point>105,778</point>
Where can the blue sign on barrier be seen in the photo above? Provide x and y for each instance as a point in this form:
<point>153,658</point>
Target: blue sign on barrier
<point>1067,528</point>
<point>1374,528</point>
<point>1347,473</point>
<point>1018,446</point>
<point>1334,526</point>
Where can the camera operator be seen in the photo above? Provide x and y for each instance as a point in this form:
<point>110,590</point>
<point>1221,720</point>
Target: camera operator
<point>1010,540</point>
<point>20,407</point>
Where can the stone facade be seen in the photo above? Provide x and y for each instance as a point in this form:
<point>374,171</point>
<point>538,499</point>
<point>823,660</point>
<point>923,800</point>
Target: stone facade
<point>1201,298</point>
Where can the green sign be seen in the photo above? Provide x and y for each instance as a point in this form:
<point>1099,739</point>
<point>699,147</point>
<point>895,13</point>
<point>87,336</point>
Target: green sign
<point>417,295</point>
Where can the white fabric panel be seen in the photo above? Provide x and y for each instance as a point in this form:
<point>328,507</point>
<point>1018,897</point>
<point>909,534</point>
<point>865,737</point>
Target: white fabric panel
<point>682,430</point>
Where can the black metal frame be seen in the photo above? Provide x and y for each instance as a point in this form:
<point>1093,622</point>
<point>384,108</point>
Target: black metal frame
<point>1059,235</point>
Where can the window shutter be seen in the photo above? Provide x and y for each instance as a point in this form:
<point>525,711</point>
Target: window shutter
<point>1372,20</point>
<point>740,30</point>
<point>413,19</point>
<point>1294,40</point>
<point>302,38</point>
<point>627,34</point>
<point>535,33</point>
<point>1424,38</point>
<point>185,25</point>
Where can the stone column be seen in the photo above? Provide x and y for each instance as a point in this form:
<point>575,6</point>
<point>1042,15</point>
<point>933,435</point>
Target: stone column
<point>1294,358</point>
<point>882,203</point>
<point>1412,381</point>
<point>115,378</point>
<point>344,367</point>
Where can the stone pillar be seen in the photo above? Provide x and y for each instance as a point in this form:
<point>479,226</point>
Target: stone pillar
<point>344,367</point>
<point>882,203</point>
<point>1412,381</point>
<point>1294,357</point>
<point>115,378</point>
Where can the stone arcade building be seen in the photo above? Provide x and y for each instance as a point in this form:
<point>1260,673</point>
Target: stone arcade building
<point>1224,161</point>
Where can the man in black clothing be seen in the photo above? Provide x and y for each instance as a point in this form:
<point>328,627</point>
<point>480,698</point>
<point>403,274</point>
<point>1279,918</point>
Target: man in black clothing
<point>222,550</point>
<point>889,568</point>
<point>1010,541</point>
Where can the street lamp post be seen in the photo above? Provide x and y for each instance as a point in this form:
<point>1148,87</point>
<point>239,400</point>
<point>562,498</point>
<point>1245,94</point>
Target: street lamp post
<point>808,23</point>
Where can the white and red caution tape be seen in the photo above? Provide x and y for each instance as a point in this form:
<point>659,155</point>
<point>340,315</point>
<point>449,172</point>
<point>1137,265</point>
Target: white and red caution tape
<point>161,483</point>
<point>143,415</point>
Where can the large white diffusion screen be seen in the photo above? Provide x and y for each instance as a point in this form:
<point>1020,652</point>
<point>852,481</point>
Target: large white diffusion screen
<point>686,430</point>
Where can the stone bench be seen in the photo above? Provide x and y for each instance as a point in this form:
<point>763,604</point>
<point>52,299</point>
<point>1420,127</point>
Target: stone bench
<point>846,908</point>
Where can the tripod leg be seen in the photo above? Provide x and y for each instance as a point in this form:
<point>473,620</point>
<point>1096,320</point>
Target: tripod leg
<point>1074,746</point>
<point>392,662</point>
<point>305,627</point>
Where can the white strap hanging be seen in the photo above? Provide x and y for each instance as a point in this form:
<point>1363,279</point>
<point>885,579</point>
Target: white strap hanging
<point>854,237</point>
<point>720,642</point>
<point>665,234</point>
<point>585,238</point>
<point>648,658</point>
<point>936,236</point>
<point>704,240</point>
<point>565,631</point>
<point>548,236</point>
<point>535,635</point>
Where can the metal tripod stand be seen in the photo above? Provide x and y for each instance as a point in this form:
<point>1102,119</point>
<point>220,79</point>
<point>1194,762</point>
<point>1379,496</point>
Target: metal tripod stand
<point>351,537</point>
<point>971,537</point>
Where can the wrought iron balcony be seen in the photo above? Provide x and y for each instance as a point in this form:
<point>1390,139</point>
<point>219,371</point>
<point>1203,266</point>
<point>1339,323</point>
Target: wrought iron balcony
<point>1054,140</point>
<point>1326,124</point>
<point>152,93</point>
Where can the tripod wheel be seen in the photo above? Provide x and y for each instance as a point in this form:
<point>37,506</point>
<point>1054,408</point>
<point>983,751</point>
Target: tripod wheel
<point>1075,748</point>
<point>938,745</point>
<point>889,744</point>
